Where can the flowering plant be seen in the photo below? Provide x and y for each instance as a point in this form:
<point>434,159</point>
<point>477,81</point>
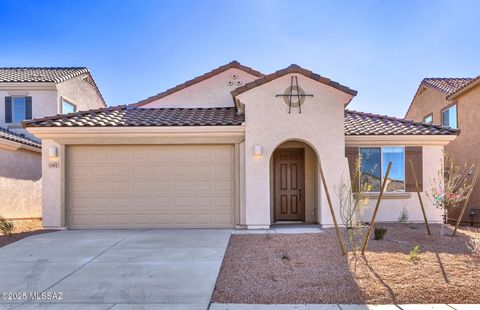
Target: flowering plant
<point>451,186</point>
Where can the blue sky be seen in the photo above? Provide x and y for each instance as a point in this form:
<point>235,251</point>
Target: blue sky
<point>136,49</point>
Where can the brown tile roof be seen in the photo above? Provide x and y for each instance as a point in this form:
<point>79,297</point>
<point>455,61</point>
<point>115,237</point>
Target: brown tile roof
<point>360,123</point>
<point>356,123</point>
<point>292,69</point>
<point>45,75</point>
<point>125,116</point>
<point>470,84</point>
<point>40,75</point>
<point>233,64</point>
<point>19,138</point>
<point>447,85</point>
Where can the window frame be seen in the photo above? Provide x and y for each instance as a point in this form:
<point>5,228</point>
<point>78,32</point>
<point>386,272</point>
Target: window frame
<point>428,115</point>
<point>456,113</point>
<point>13,109</point>
<point>62,100</point>
<point>381,167</point>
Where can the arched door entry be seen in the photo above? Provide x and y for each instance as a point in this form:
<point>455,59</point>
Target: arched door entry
<point>289,185</point>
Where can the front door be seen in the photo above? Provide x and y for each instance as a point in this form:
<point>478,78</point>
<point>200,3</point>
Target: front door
<point>289,185</point>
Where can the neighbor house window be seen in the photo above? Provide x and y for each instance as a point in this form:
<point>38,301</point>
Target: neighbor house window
<point>19,109</point>
<point>449,116</point>
<point>374,163</point>
<point>428,119</point>
<point>68,107</point>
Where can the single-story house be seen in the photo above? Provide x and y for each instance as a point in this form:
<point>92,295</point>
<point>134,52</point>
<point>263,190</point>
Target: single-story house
<point>231,148</point>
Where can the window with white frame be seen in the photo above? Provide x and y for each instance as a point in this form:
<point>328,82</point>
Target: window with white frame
<point>68,107</point>
<point>374,162</point>
<point>449,116</point>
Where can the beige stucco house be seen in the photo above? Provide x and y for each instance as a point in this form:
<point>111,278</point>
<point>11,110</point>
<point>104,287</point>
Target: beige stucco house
<point>454,102</point>
<point>28,93</point>
<point>230,148</point>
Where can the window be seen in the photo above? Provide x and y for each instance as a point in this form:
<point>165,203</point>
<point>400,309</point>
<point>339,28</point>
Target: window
<point>19,109</point>
<point>396,177</point>
<point>68,107</point>
<point>449,116</point>
<point>428,119</point>
<point>370,169</point>
<point>374,163</point>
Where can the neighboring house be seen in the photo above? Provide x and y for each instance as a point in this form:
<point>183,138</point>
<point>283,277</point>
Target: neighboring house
<point>454,102</point>
<point>230,148</point>
<point>27,93</point>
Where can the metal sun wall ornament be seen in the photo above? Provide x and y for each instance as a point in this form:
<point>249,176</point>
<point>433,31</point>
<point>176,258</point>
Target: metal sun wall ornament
<point>294,96</point>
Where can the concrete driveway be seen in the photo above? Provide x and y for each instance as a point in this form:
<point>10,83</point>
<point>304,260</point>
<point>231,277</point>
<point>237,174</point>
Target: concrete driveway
<point>114,269</point>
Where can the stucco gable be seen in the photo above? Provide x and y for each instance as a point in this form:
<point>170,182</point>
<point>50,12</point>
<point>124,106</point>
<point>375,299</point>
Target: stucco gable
<point>211,89</point>
<point>293,68</point>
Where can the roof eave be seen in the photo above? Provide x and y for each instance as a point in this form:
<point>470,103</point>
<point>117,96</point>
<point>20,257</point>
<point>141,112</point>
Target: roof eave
<point>14,145</point>
<point>359,140</point>
<point>464,90</point>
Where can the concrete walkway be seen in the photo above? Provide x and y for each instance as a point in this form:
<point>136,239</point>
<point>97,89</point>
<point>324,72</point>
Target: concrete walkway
<point>342,307</point>
<point>114,269</point>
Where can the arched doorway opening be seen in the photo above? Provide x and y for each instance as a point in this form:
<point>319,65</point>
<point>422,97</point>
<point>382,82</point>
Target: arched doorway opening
<point>294,184</point>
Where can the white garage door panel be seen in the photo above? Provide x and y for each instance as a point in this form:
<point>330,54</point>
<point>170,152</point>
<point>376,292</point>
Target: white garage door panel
<point>150,186</point>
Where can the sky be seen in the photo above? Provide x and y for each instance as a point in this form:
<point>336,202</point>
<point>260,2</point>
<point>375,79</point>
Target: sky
<point>135,49</point>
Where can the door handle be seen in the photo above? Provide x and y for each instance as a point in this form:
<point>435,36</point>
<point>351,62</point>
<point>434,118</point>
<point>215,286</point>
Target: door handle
<point>300,194</point>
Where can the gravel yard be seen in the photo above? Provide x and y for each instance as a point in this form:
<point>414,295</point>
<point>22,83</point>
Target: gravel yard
<point>308,268</point>
<point>23,229</point>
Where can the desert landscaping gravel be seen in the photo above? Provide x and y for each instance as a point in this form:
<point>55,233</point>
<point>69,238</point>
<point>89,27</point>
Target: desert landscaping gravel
<point>308,268</point>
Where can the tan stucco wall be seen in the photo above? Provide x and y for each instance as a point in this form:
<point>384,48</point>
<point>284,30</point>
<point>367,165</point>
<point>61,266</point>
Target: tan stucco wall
<point>81,94</point>
<point>269,124</point>
<point>464,149</point>
<point>311,174</point>
<point>212,92</point>
<point>427,102</point>
<point>53,191</point>
<point>20,183</point>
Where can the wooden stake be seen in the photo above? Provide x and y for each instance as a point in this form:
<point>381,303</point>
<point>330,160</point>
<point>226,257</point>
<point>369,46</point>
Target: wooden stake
<point>337,231</point>
<point>372,223</point>
<point>466,202</point>
<point>420,198</point>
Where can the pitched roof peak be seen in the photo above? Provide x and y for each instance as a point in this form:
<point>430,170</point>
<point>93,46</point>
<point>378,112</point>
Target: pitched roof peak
<point>233,64</point>
<point>293,68</point>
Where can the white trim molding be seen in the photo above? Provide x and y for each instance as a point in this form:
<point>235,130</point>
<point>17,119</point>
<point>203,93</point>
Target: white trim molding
<point>141,135</point>
<point>409,140</point>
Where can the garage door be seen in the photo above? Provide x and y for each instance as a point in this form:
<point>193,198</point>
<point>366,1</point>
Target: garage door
<point>150,186</point>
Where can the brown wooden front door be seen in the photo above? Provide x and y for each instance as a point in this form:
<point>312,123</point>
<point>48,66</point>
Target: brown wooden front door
<point>289,185</point>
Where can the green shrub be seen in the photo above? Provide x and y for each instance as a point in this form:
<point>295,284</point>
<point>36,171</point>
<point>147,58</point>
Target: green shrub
<point>379,233</point>
<point>6,226</point>
<point>415,253</point>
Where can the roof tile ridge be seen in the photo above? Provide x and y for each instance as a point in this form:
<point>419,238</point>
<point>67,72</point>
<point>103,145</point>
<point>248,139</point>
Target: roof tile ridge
<point>83,112</point>
<point>403,120</point>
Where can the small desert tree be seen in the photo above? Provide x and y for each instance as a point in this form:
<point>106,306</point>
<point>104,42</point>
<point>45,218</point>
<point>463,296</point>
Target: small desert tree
<point>450,187</point>
<point>352,207</point>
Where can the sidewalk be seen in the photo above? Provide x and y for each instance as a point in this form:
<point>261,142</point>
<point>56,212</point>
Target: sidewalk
<point>215,306</point>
